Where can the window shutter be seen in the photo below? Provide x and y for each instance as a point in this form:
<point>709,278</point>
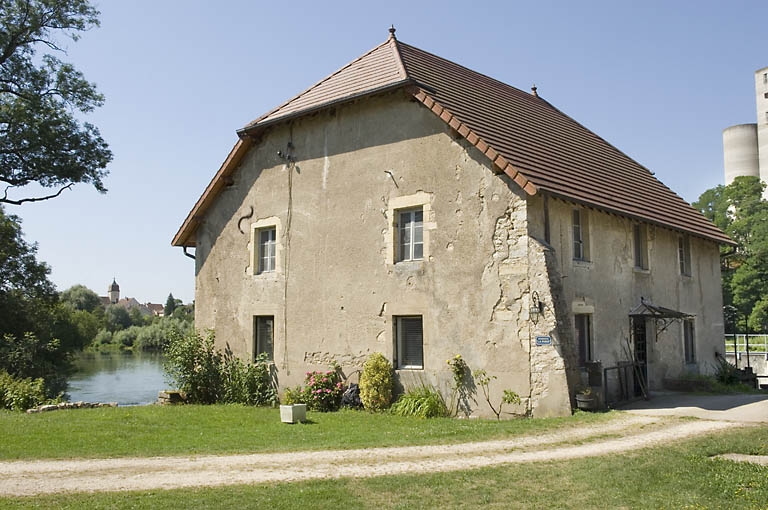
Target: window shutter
<point>412,354</point>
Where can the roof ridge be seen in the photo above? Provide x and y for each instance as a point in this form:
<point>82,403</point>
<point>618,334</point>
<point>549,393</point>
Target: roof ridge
<point>477,73</point>
<point>317,84</point>
<point>394,44</point>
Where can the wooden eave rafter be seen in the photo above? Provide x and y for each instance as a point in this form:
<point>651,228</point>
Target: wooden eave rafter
<point>186,234</point>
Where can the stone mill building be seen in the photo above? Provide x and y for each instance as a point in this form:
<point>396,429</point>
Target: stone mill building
<point>411,206</point>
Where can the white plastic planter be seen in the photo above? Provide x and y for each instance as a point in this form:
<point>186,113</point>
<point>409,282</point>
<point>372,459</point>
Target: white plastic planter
<point>293,413</point>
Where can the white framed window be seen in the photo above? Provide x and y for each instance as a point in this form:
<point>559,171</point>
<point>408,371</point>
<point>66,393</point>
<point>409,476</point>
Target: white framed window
<point>684,254</point>
<point>689,341</point>
<point>410,222</point>
<point>640,235</point>
<point>580,235</point>
<point>409,342</point>
<point>583,326</point>
<point>267,249</point>
<point>264,248</point>
<point>410,234</point>
<point>264,336</point>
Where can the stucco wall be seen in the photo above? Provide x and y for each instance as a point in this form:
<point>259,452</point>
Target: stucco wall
<point>608,286</point>
<point>337,288</point>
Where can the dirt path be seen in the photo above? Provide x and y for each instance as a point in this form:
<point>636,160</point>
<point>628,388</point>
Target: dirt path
<point>627,433</point>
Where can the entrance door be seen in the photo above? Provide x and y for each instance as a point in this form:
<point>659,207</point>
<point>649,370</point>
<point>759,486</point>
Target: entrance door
<point>641,354</point>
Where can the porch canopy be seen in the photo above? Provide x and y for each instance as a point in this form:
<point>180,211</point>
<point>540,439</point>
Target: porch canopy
<point>660,314</point>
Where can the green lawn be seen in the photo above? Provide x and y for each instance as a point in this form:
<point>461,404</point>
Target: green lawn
<point>680,475</point>
<point>186,430</point>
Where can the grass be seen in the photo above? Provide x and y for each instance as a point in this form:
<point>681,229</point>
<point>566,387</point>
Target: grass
<point>197,430</point>
<point>681,475</point>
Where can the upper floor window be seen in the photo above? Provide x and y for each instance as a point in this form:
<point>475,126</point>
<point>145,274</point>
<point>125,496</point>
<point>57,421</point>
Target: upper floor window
<point>580,235</point>
<point>410,238</point>
<point>684,254</point>
<point>640,234</point>
<point>266,250</point>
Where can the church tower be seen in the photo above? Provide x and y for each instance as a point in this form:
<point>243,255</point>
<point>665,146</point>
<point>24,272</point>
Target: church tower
<point>114,292</point>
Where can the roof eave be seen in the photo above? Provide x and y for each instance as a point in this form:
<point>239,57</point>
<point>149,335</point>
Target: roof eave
<point>723,239</point>
<point>185,237</point>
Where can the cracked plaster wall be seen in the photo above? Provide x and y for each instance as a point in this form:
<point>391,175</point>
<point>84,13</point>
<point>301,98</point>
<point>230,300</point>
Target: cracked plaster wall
<point>343,290</point>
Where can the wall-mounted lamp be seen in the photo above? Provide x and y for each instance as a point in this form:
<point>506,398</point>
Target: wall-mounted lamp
<point>537,308</point>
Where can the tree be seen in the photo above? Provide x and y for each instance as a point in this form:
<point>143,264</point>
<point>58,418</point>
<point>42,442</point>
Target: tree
<point>81,297</point>
<point>26,294</point>
<point>30,316</point>
<point>170,305</point>
<point>41,140</point>
<point>116,318</point>
<point>739,210</point>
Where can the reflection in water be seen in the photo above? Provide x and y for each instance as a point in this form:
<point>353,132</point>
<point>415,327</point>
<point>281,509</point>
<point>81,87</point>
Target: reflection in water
<point>123,377</point>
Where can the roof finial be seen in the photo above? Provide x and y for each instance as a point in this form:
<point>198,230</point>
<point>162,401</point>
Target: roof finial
<point>533,91</point>
<point>392,32</point>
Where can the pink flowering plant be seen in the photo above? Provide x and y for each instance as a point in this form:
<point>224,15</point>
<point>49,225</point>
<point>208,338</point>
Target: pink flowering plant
<point>323,390</point>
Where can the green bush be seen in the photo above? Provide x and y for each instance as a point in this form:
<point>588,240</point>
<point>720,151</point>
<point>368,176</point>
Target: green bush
<point>423,401</point>
<point>208,377</point>
<point>297,395</point>
<point>248,383</point>
<point>126,337</point>
<point>195,365</point>
<point>21,394</point>
<point>324,390</point>
<point>376,383</point>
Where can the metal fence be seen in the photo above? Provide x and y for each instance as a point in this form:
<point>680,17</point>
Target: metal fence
<point>738,343</point>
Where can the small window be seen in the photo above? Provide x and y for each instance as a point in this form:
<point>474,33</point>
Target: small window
<point>410,234</point>
<point>689,341</point>
<point>684,255</point>
<point>580,235</point>
<point>640,232</point>
<point>409,342</point>
<point>264,327</point>
<point>266,253</point>
<point>765,77</point>
<point>583,322</point>
<point>547,234</point>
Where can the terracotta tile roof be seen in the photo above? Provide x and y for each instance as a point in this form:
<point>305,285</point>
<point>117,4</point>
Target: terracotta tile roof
<point>523,135</point>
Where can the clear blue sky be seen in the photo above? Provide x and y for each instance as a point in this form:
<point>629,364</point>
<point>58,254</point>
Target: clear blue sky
<point>658,79</point>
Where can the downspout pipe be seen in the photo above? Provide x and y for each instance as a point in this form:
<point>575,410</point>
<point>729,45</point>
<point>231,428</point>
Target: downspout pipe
<point>188,254</point>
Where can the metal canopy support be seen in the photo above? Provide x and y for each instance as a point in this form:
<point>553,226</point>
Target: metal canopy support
<point>660,315</point>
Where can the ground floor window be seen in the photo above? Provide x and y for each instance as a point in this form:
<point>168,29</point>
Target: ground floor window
<point>689,341</point>
<point>264,327</point>
<point>583,323</point>
<point>409,342</point>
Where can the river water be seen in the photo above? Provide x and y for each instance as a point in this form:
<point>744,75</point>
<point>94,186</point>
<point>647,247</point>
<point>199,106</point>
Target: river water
<point>123,377</point>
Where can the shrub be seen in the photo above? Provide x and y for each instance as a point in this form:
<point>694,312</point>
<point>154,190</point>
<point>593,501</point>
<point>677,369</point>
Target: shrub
<point>103,337</point>
<point>126,337</point>
<point>248,383</point>
<point>208,377</point>
<point>195,365</point>
<point>725,372</point>
<point>423,401</point>
<point>323,390</point>
<point>21,394</point>
<point>297,395</point>
<point>376,383</point>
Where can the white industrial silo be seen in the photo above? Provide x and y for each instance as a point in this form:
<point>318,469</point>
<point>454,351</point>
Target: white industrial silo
<point>761,93</point>
<point>740,152</point>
